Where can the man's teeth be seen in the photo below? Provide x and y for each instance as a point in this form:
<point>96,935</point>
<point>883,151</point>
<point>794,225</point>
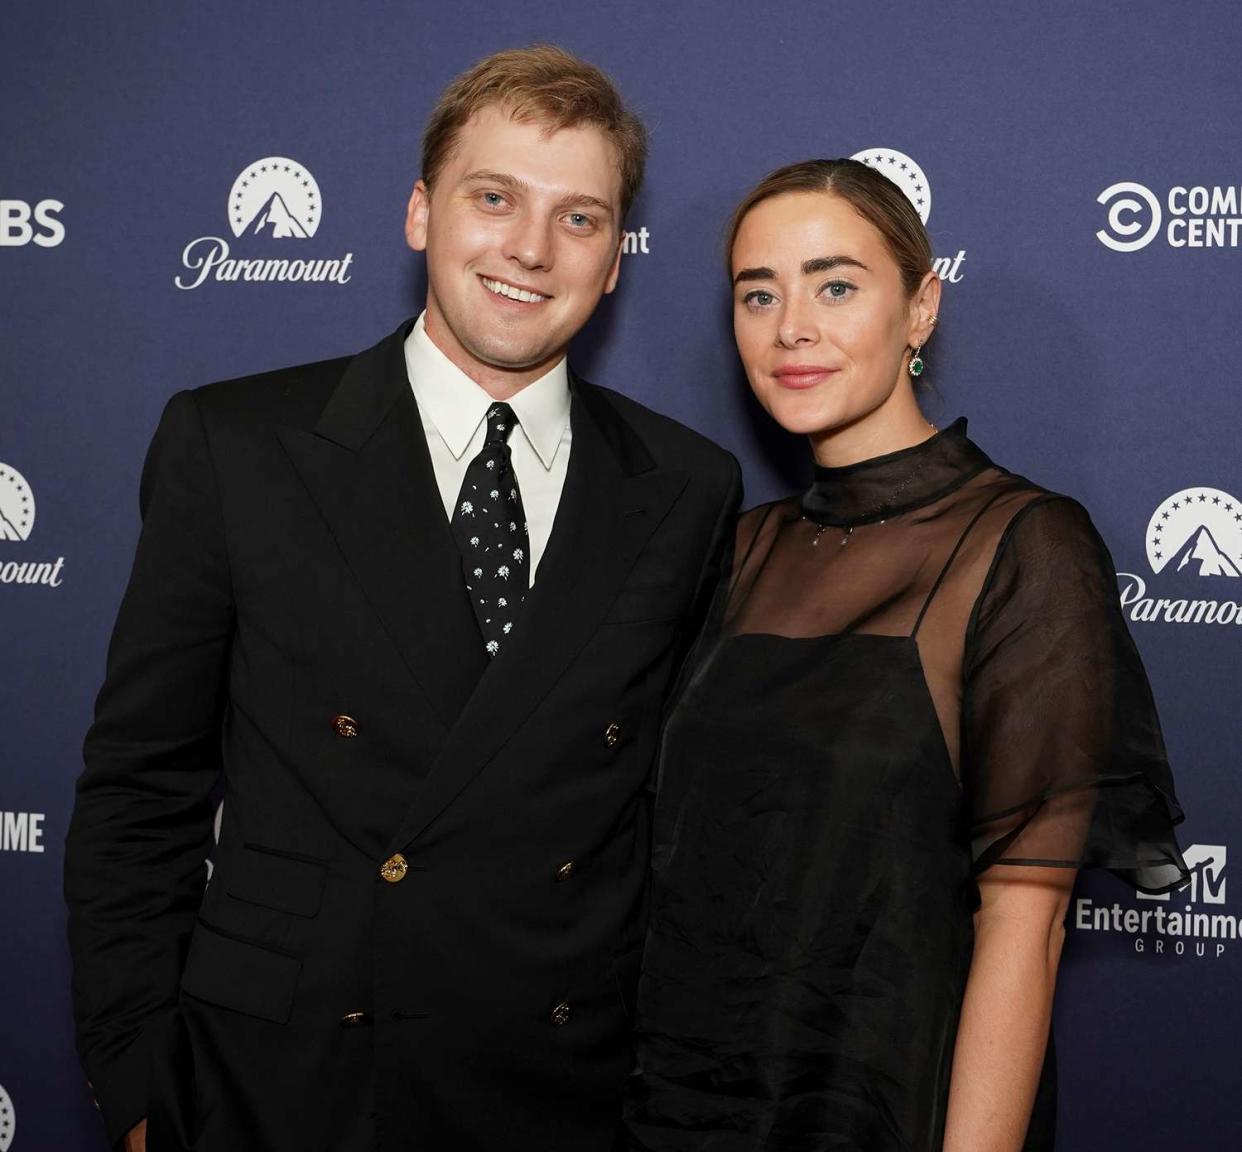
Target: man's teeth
<point>502,289</point>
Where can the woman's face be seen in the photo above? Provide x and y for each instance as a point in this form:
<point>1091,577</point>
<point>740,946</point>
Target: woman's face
<point>821,317</point>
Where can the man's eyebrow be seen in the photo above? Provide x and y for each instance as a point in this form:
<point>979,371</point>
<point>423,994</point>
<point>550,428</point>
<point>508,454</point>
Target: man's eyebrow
<point>569,200</point>
<point>583,200</point>
<point>494,178</point>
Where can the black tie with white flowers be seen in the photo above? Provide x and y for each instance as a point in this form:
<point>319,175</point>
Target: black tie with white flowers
<point>489,524</point>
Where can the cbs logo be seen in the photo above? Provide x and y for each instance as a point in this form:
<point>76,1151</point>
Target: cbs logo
<point>22,223</point>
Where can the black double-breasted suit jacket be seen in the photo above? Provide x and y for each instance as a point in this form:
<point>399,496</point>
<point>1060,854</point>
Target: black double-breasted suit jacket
<point>425,910</point>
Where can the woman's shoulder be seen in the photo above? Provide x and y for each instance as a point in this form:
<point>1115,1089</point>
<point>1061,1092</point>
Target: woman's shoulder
<point>1041,548</point>
<point>752,521</point>
<point>1034,515</point>
<point>761,523</point>
<point>1013,510</point>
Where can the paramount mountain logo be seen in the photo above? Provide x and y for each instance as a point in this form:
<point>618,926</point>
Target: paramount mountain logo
<point>903,171</point>
<point>273,199</point>
<point>17,505</point>
<point>17,518</point>
<point>260,199</point>
<point>1194,543</point>
<point>1199,518</point>
<point>8,1121</point>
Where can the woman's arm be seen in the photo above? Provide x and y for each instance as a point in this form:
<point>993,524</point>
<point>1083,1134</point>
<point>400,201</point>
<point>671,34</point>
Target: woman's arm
<point>1003,1031</point>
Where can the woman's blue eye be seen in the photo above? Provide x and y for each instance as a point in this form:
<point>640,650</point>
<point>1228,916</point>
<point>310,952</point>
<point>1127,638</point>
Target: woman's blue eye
<point>759,297</point>
<point>838,289</point>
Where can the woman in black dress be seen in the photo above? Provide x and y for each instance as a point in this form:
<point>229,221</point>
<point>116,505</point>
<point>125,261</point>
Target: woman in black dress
<point>915,713</point>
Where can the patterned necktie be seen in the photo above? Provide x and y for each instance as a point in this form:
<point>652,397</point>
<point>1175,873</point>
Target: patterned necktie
<point>489,524</point>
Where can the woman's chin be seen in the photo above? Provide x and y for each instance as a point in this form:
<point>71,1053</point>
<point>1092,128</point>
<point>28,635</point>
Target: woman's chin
<point>801,419</point>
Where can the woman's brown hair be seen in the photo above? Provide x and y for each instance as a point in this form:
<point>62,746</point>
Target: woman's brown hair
<point>874,197</point>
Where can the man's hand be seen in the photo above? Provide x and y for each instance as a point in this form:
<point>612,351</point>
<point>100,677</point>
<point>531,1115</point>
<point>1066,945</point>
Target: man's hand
<point>136,1138</point>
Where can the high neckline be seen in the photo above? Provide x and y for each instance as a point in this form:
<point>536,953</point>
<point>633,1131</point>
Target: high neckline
<point>898,482</point>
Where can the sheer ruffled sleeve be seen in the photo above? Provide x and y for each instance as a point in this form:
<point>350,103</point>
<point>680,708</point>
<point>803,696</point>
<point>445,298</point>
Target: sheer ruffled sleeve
<point>1063,762</point>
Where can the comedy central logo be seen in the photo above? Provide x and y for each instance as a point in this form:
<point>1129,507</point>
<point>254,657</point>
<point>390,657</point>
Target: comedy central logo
<point>1194,548</point>
<point>275,199</point>
<point>17,505</point>
<point>1199,216</point>
<point>909,176</point>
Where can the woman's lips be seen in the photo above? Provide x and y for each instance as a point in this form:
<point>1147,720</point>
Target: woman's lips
<point>802,375</point>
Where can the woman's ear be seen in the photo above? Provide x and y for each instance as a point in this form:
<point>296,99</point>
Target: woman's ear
<point>924,309</point>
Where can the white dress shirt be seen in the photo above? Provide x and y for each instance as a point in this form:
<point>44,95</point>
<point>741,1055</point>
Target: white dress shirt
<point>454,414</point>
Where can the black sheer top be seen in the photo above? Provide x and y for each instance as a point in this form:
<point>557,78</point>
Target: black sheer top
<point>918,669</point>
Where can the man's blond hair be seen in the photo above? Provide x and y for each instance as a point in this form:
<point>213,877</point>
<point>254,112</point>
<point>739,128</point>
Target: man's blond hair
<point>547,86</point>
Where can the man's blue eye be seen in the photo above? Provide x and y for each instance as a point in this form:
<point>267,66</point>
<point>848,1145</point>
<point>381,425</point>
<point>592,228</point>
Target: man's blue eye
<point>579,220</point>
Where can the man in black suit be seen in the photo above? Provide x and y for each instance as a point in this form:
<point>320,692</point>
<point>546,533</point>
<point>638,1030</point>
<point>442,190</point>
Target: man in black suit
<point>419,610</point>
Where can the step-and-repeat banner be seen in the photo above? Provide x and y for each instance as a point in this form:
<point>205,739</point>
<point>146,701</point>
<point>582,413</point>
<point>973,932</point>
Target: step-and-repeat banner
<point>1080,170</point>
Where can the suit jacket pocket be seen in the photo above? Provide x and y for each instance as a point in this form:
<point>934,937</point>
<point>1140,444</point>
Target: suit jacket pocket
<point>240,974</point>
<point>276,880</point>
<point>647,602</point>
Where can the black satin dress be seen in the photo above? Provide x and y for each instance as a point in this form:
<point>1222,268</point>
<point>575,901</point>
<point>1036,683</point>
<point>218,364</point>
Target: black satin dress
<point>918,670</point>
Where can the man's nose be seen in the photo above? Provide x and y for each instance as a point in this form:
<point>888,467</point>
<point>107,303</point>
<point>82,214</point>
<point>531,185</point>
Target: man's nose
<point>529,243</point>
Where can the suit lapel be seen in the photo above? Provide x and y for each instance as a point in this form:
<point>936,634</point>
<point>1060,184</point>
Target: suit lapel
<point>367,467</point>
<point>614,498</point>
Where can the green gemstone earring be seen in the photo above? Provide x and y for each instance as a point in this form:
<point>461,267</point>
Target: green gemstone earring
<point>915,366</point>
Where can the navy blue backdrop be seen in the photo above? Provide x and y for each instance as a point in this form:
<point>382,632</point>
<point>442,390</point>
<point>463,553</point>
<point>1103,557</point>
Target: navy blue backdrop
<point>1085,164</point>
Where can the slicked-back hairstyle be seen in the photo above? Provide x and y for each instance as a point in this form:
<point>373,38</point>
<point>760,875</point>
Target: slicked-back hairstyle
<point>547,86</point>
<point>874,197</point>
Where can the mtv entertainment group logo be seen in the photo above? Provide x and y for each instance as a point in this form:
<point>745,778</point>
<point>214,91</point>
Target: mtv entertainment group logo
<point>913,182</point>
<point>1200,928</point>
<point>1194,548</point>
<point>17,518</point>
<point>273,199</point>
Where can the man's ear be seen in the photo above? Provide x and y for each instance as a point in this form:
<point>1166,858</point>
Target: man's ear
<point>615,271</point>
<point>417,212</point>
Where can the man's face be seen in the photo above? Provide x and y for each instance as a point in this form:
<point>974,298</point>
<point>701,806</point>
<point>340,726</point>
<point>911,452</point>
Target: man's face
<point>523,236</point>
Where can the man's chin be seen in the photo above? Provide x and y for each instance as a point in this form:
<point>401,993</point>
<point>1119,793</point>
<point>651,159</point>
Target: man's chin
<point>507,358</point>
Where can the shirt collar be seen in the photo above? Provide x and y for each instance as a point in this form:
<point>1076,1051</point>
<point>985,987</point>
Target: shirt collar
<point>896,483</point>
<point>457,405</point>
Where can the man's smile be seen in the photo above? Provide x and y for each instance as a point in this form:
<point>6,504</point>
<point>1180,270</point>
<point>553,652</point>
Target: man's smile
<point>512,291</point>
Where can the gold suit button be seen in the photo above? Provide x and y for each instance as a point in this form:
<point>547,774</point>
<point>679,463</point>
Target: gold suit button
<point>345,725</point>
<point>560,1014</point>
<point>394,868</point>
<point>354,1019</point>
<point>612,733</point>
<point>566,870</point>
